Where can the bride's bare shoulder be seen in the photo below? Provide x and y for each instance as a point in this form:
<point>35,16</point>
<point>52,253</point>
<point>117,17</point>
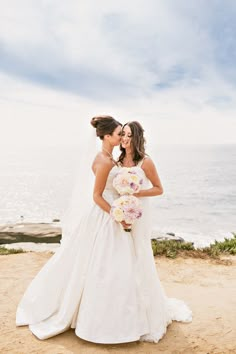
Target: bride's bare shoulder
<point>102,161</point>
<point>100,158</point>
<point>147,163</point>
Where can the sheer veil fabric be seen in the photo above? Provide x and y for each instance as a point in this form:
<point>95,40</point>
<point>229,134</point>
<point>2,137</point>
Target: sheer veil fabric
<point>51,300</point>
<point>102,281</point>
<point>82,194</point>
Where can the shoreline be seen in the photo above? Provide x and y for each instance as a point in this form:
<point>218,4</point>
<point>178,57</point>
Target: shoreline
<point>46,237</point>
<point>30,232</point>
<point>50,232</point>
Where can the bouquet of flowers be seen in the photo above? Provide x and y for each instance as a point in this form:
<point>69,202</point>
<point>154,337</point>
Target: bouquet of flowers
<point>128,207</point>
<point>127,181</point>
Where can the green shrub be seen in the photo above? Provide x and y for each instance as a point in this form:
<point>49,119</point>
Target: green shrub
<point>228,246</point>
<point>173,248</point>
<point>4,251</point>
<point>170,248</point>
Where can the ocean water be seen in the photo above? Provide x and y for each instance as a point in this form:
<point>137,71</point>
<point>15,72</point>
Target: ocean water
<point>199,181</point>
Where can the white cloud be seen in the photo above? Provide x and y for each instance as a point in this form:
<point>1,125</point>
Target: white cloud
<point>154,61</point>
<point>137,46</point>
<point>33,115</point>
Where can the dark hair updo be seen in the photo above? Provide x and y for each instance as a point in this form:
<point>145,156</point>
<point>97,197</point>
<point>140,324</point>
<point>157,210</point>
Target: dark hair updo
<point>104,125</point>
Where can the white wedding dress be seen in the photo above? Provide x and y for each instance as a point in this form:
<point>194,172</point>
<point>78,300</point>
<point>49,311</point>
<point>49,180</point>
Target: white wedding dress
<point>103,283</point>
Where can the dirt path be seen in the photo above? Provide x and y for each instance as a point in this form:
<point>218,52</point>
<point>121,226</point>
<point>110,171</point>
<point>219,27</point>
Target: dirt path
<point>208,288</point>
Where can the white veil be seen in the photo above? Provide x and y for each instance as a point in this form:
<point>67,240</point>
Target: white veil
<point>82,195</point>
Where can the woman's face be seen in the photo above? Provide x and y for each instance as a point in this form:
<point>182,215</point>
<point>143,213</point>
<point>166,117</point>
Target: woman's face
<point>116,136</point>
<point>126,137</point>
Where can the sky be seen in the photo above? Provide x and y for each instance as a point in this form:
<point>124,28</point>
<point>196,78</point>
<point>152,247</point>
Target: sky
<point>168,64</point>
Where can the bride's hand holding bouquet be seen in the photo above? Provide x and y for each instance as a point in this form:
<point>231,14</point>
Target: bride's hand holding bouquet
<point>127,208</point>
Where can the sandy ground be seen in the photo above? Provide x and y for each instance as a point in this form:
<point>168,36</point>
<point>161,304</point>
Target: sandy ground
<point>208,288</point>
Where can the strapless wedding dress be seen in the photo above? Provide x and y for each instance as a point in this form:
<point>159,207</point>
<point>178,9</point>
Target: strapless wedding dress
<point>103,283</point>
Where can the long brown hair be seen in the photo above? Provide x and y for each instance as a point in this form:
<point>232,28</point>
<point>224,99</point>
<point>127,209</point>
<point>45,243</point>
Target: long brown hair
<point>104,125</point>
<point>137,142</point>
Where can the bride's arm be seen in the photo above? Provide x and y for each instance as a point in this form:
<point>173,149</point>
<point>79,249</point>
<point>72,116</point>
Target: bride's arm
<point>101,171</point>
<point>150,171</point>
